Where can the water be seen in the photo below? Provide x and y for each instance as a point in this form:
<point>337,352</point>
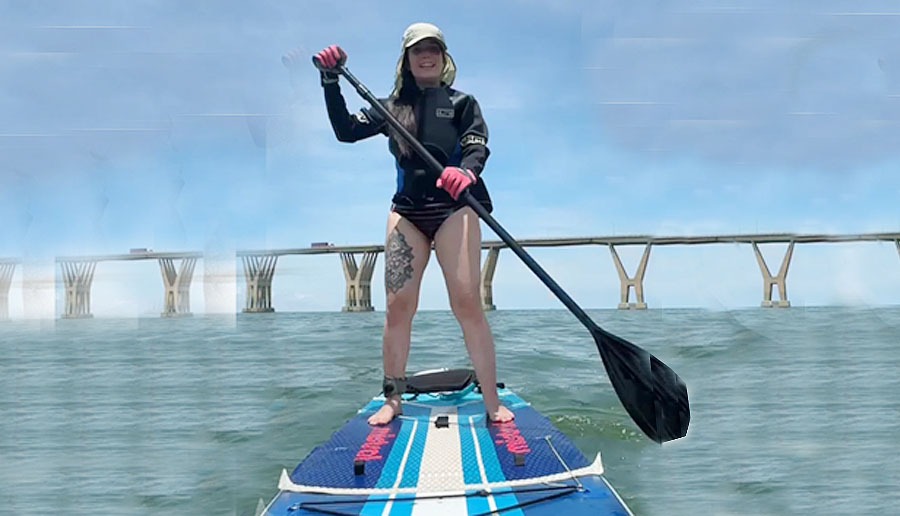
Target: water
<point>795,411</point>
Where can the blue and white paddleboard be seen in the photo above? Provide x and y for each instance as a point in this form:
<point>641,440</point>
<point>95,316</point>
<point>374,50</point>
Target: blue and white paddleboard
<point>442,456</point>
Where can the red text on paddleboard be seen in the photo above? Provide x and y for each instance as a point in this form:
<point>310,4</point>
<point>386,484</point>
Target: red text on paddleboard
<point>508,434</point>
<point>377,439</point>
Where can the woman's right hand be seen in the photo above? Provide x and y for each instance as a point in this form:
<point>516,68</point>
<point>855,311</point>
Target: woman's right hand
<point>330,57</point>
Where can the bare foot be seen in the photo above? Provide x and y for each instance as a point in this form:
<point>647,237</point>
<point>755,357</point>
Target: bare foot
<point>386,413</point>
<point>501,415</point>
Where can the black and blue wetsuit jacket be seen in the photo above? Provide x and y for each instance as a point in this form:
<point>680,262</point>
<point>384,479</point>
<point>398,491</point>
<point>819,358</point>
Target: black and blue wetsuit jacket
<point>447,119</point>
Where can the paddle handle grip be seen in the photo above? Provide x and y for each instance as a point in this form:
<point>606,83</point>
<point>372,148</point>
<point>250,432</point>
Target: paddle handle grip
<point>318,64</point>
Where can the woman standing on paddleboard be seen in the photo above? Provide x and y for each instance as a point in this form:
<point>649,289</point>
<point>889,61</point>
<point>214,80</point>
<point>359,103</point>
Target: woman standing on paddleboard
<point>426,209</point>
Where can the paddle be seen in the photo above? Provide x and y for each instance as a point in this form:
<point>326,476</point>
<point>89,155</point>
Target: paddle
<point>654,396</point>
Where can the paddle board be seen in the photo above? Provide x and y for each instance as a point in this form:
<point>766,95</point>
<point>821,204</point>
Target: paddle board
<point>442,456</point>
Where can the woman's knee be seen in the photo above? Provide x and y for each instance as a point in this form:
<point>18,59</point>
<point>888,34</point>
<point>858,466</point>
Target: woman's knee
<point>400,308</point>
<point>465,302</point>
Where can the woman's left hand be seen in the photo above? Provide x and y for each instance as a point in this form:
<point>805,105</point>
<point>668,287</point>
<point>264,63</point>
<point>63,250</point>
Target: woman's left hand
<point>454,180</point>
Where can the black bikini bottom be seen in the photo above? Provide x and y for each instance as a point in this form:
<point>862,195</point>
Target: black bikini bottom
<point>428,219</point>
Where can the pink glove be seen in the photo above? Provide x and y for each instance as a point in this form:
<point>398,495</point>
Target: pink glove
<point>455,180</point>
<point>332,56</point>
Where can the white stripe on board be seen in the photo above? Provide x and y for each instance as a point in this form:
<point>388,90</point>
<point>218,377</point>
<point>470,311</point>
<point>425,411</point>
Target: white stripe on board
<point>412,438</point>
<point>440,467</point>
<point>490,499</point>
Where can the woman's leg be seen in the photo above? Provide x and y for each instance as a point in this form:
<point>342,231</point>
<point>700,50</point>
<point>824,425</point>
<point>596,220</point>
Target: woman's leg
<point>406,253</point>
<point>457,245</point>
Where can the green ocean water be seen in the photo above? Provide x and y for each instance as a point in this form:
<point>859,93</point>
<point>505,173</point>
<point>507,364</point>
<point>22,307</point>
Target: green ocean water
<point>795,411</point>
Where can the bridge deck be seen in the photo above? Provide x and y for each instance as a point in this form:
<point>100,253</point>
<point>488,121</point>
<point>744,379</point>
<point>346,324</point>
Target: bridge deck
<point>129,257</point>
<point>765,238</point>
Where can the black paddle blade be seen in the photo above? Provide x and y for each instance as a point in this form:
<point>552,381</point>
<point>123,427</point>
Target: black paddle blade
<point>650,391</point>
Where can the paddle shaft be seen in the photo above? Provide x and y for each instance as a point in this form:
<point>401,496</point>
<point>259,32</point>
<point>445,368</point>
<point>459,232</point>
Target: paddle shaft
<point>437,168</point>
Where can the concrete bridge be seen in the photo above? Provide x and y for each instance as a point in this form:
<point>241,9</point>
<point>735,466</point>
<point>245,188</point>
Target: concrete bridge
<point>259,270</point>
<point>259,265</point>
<point>359,263</point>
<point>78,274</point>
<point>7,269</point>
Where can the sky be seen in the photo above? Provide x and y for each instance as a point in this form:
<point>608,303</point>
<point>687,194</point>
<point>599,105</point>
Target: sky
<point>201,126</point>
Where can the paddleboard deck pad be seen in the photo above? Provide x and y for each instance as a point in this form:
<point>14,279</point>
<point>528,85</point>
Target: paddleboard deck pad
<point>443,456</point>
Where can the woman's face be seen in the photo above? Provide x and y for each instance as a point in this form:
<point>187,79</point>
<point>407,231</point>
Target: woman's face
<point>426,62</point>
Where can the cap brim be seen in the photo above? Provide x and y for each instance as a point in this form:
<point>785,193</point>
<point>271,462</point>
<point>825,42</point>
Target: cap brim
<point>423,38</point>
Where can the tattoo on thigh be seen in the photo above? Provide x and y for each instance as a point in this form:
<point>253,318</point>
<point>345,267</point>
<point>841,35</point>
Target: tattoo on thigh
<point>398,262</point>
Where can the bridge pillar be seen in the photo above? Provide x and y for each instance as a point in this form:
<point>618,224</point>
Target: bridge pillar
<point>770,281</point>
<point>487,279</point>
<point>77,278</point>
<point>7,269</point>
<point>897,242</point>
<point>177,286</point>
<point>258,271</point>
<point>359,281</point>
<point>637,282</point>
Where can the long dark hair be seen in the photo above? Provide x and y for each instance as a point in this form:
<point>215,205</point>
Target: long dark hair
<point>402,106</point>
